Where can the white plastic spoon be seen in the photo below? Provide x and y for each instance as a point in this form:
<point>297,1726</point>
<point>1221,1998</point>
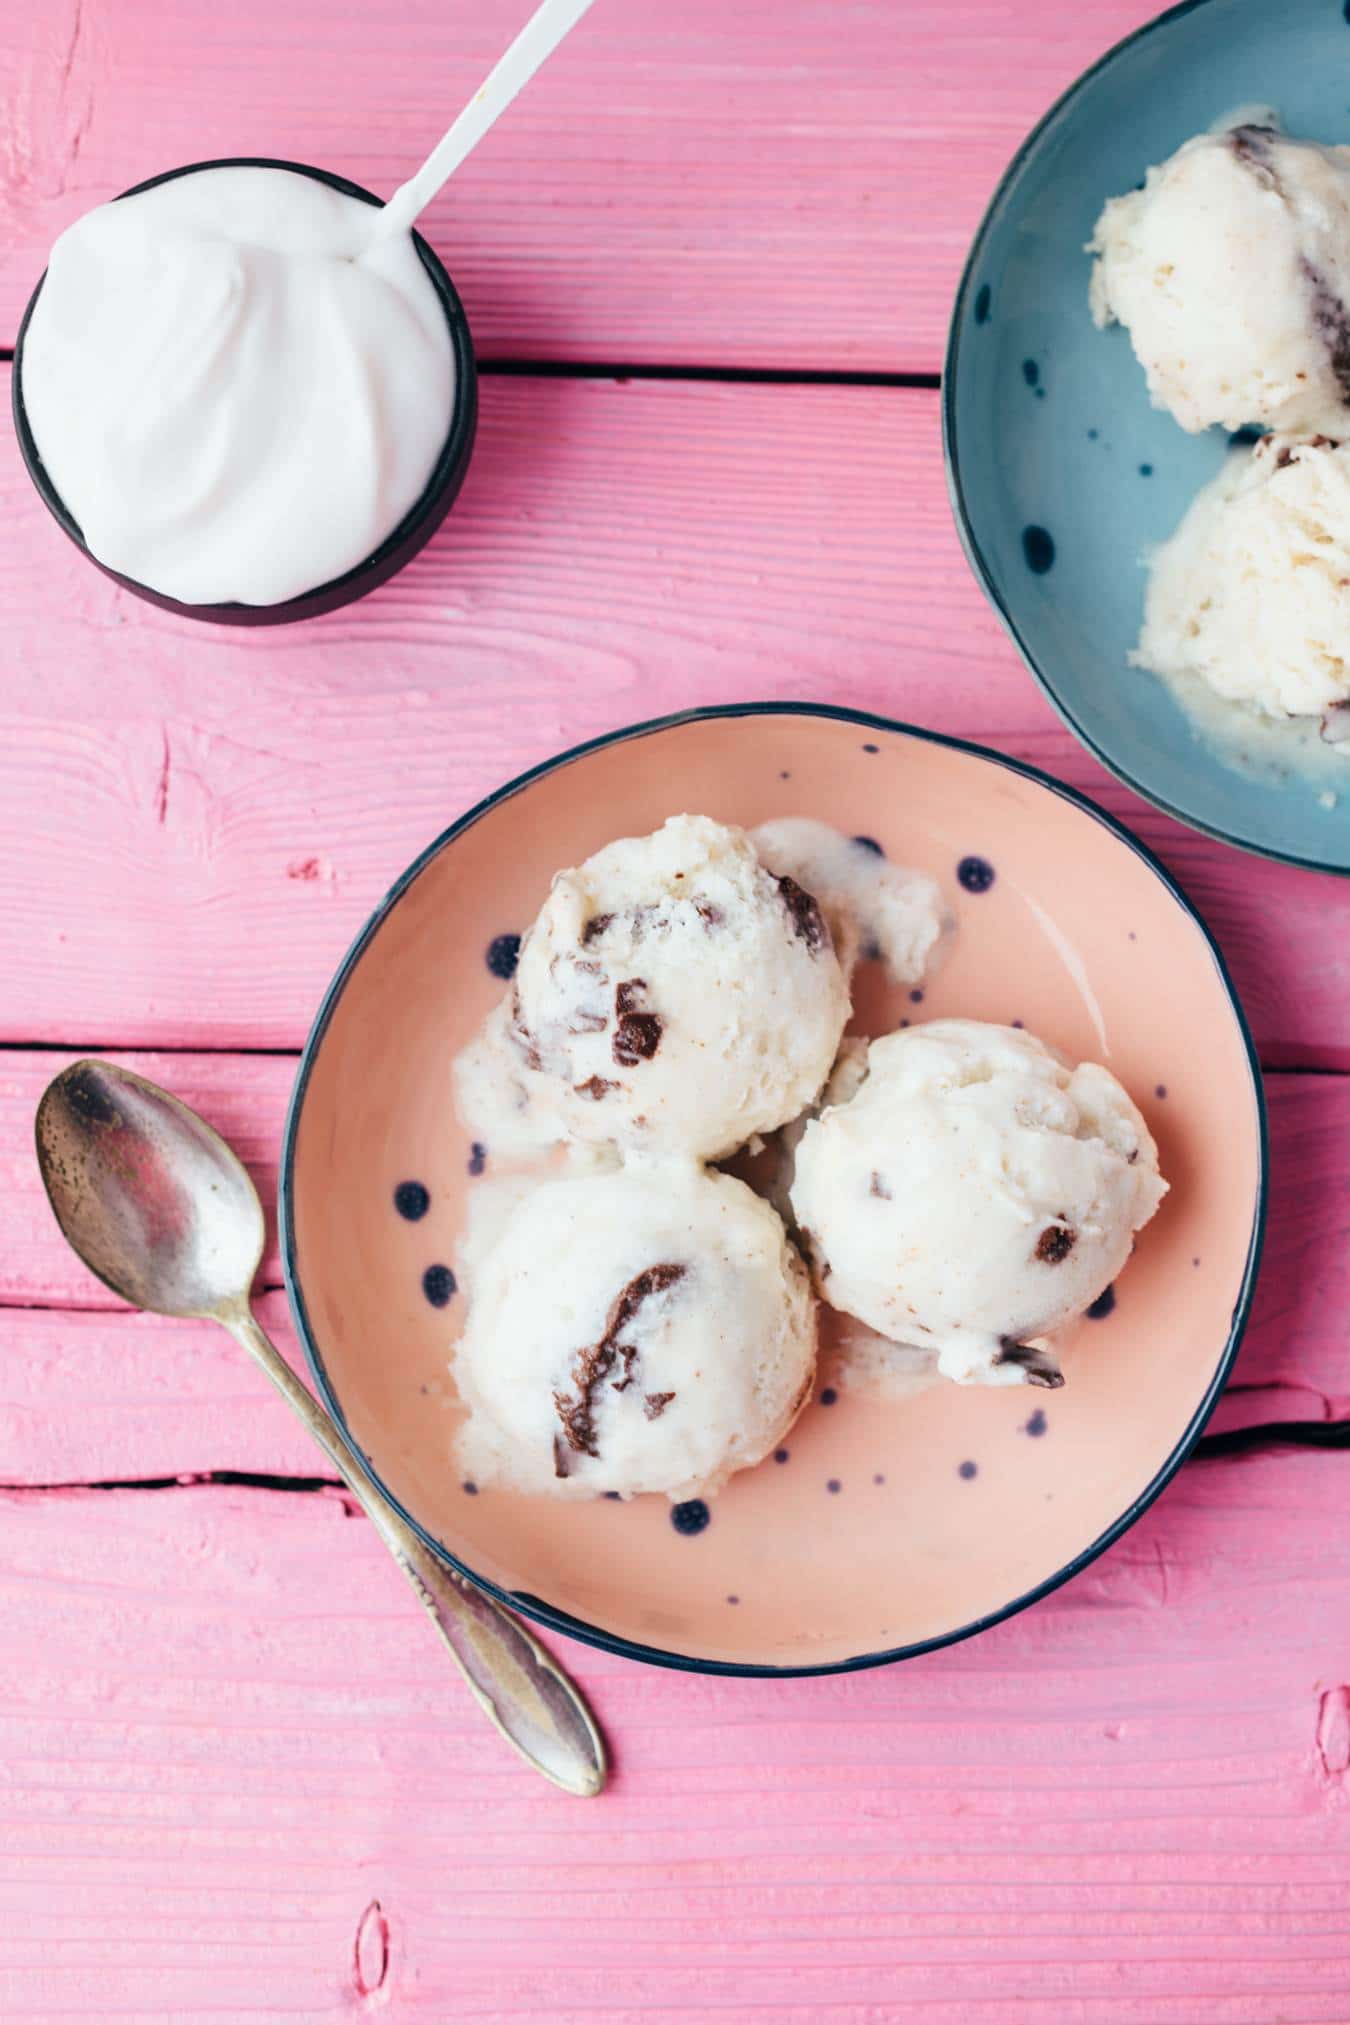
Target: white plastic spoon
<point>533,46</point>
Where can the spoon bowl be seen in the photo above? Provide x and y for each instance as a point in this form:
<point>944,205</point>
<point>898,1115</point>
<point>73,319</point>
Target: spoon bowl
<point>154,1201</point>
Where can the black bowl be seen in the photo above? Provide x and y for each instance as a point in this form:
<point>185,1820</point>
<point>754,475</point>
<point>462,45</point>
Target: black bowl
<point>418,524</point>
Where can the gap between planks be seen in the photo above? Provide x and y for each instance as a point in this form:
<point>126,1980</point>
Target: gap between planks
<point>1227,1445</point>
<point>729,375</point>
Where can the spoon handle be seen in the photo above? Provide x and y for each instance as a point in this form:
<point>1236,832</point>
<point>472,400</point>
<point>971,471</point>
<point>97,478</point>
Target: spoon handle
<point>520,1689</point>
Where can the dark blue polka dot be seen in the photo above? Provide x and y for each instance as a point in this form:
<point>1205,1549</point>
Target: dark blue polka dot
<point>502,955</point>
<point>1160,1090</point>
<point>412,1200</point>
<point>1020,1025</point>
<point>733,1599</point>
<point>982,293</point>
<point>613,1496</point>
<point>878,1479</point>
<point>469,1488</point>
<point>870,844</point>
<point>834,1487</point>
<point>780,1455</point>
<point>690,1517</point>
<point>916,996</point>
<point>871,748</point>
<point>968,1470</point>
<point>1037,1424</point>
<point>1092,435</point>
<point>477,1157</point>
<point>1031,372</point>
<point>828,1396</point>
<point>785,776</point>
<point>975,875</point>
<point>1039,549</point>
<point>1102,1306</point>
<point>438,1284</point>
<point>1145,470</point>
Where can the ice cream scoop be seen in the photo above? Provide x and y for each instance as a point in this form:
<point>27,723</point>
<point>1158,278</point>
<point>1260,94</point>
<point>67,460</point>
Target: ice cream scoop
<point>1230,268</point>
<point>973,1194</point>
<point>672,996</point>
<point>644,1330</point>
<point>874,908</point>
<point>1251,595</point>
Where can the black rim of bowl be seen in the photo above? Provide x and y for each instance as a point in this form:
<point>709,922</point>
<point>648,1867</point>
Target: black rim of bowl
<point>399,546</point>
<point>535,1607</point>
<point>956,493</point>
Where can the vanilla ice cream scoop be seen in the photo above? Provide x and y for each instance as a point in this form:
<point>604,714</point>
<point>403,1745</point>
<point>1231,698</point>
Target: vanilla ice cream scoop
<point>672,996</point>
<point>1252,593</point>
<point>874,908</point>
<point>973,1195</point>
<point>644,1330</point>
<point>1230,269</point>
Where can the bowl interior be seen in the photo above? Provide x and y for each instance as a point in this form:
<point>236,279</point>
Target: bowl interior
<point>1078,937</point>
<point>1049,421</point>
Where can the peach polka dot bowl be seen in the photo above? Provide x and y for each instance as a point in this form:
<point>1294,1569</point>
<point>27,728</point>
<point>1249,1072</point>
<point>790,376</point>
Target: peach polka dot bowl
<point>886,1524</point>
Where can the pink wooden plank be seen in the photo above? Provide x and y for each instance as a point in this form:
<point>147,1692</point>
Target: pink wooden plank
<point>92,1395</point>
<point>227,1736</point>
<point>723,185</point>
<point>227,810</point>
<point>96,1396</point>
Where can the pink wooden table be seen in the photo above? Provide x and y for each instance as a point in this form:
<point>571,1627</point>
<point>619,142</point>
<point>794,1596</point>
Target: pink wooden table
<point>708,262</point>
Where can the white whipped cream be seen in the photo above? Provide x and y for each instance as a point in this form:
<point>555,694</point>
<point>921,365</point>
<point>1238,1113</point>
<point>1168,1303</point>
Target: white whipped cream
<point>237,396</point>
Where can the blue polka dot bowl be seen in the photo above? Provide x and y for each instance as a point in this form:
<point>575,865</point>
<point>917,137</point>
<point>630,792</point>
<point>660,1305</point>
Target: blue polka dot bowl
<point>888,1521</point>
<point>1063,476</point>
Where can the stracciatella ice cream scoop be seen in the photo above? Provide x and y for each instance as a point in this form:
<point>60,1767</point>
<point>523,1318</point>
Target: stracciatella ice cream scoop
<point>1230,269</point>
<point>643,1330</point>
<point>1252,593</point>
<point>973,1194</point>
<point>673,996</point>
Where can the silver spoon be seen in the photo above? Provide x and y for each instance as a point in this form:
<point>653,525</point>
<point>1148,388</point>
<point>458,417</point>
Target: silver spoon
<point>158,1206</point>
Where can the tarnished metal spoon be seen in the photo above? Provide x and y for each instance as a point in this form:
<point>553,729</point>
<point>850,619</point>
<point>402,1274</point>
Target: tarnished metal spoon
<point>158,1206</point>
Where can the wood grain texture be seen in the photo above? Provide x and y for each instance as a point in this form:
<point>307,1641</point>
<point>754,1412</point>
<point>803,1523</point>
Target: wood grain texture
<point>226,810</point>
<point>713,186</point>
<point>231,1738</point>
<point>87,1392</point>
<point>238,1784</point>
